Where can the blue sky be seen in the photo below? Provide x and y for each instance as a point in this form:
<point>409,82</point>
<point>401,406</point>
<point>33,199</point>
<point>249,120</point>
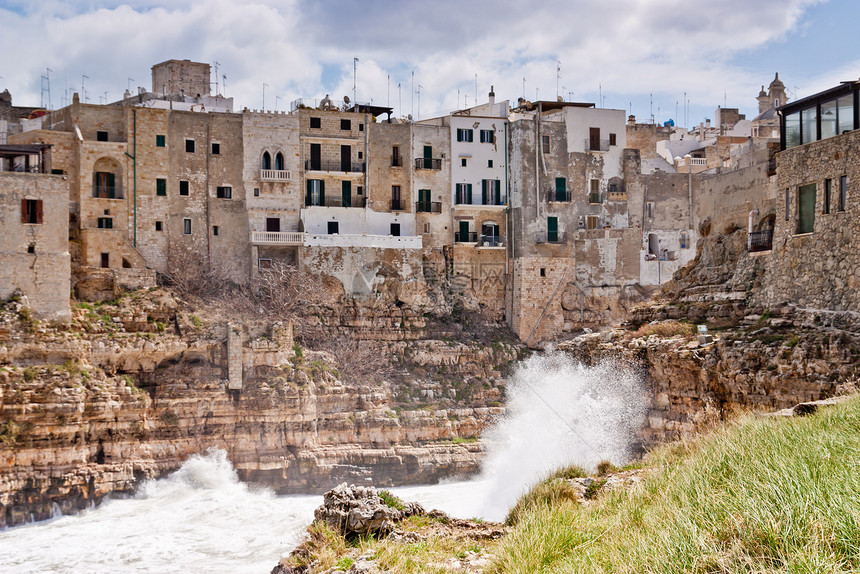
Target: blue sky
<point>640,55</point>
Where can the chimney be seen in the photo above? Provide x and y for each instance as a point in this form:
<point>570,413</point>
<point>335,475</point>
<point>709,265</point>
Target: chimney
<point>492,96</point>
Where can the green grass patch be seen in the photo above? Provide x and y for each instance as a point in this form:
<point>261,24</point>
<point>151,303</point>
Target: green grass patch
<point>762,495</point>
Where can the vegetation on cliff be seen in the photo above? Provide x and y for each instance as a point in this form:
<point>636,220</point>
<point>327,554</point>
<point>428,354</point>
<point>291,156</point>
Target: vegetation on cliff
<point>761,495</point>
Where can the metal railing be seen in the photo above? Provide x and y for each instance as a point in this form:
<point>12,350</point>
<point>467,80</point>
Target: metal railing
<point>470,237</point>
<point>558,195</point>
<point>274,175</point>
<point>492,241</point>
<point>601,145</point>
<point>428,207</point>
<point>549,237</point>
<point>760,241</point>
<point>311,165</point>
<point>428,163</point>
<point>595,197</point>
<point>359,202</point>
<point>277,237</point>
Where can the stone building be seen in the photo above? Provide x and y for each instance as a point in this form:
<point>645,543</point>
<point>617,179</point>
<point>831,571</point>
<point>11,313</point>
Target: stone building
<point>34,244</point>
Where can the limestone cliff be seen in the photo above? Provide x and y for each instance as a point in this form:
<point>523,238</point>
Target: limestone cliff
<point>133,387</point>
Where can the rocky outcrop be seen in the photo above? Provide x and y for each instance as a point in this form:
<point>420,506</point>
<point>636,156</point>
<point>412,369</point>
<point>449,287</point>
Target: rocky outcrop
<point>132,389</point>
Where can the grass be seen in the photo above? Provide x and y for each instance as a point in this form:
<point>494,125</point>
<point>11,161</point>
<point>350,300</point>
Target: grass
<point>762,495</point>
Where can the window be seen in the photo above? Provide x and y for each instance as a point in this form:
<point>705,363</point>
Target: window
<point>189,146</point>
<point>464,162</point>
<point>101,136</point>
<point>489,163</point>
<point>544,142</point>
<point>161,187</point>
<point>224,192</point>
<point>787,204</point>
<point>158,226</point>
<point>806,208</point>
<point>215,230</point>
<point>828,184</point>
<point>488,136</point>
<point>186,226</point>
<point>105,223</point>
<point>256,192</point>
<point>346,125</point>
<point>31,211</point>
<point>333,228</point>
<point>464,193</point>
<point>843,192</point>
<point>183,187</point>
<point>612,139</point>
<point>160,141</point>
<point>104,185</point>
<point>395,230</point>
<point>216,149</point>
<point>464,135</point>
<point>316,123</point>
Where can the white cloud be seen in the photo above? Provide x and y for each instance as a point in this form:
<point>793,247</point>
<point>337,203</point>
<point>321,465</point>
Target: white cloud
<point>630,48</point>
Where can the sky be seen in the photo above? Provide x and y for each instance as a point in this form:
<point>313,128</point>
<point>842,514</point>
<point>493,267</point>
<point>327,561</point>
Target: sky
<point>677,59</point>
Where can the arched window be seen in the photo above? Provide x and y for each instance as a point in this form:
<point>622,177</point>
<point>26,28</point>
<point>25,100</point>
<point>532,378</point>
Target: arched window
<point>267,161</point>
<point>279,161</point>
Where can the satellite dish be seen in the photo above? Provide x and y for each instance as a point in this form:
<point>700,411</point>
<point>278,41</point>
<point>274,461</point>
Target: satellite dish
<point>346,99</point>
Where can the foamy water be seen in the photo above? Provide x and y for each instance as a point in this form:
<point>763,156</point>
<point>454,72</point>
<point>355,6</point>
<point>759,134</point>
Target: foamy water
<point>202,518</point>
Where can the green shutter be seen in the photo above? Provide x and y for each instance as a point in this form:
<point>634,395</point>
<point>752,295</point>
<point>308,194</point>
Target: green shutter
<point>806,208</point>
<point>346,193</point>
<point>552,228</point>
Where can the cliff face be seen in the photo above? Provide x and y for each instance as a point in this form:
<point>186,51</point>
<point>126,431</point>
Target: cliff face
<point>130,390</point>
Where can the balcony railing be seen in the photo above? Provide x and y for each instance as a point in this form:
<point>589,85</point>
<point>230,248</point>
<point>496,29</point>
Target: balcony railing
<point>558,195</point>
<point>549,237</point>
<point>492,241</point>
<point>359,202</point>
<point>398,205</point>
<point>428,163</point>
<point>602,145</point>
<point>761,240</point>
<point>428,207</point>
<point>470,237</point>
<point>277,237</point>
<point>274,175</point>
<point>311,165</point>
<point>396,161</point>
<point>595,197</point>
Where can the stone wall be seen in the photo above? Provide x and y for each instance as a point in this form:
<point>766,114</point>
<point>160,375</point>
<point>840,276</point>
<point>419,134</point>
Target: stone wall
<point>819,270</point>
<point>34,257</point>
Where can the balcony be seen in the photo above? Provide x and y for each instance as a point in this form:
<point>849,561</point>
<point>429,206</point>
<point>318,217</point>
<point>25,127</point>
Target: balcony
<point>358,202</point>
<point>428,207</point>
<point>470,237</point>
<point>595,197</point>
<point>492,241</point>
<point>428,163</point>
<point>277,237</point>
<point>549,237</point>
<point>558,195</point>
<point>274,175</point>
<point>311,165</point>
<point>595,145</point>
<point>398,205</point>
<point>760,241</point>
